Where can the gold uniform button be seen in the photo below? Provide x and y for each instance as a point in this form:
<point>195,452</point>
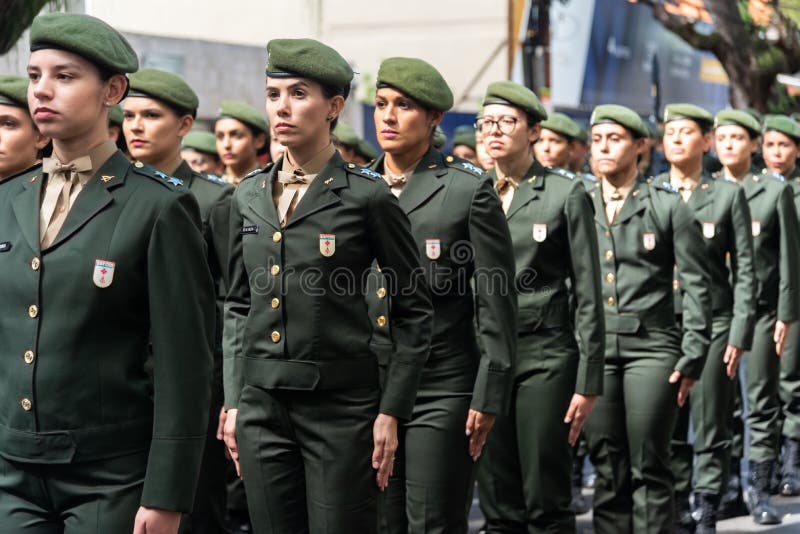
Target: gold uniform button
<point>276,336</point>
<point>26,404</point>
<point>611,301</point>
<point>276,237</point>
<point>381,292</point>
<point>610,278</point>
<point>33,311</point>
<point>35,264</point>
<point>275,303</point>
<point>381,320</point>
<point>609,255</point>
<point>607,233</point>
<point>28,357</point>
<point>275,270</point>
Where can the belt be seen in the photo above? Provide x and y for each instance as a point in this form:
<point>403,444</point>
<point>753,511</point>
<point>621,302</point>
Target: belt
<point>309,375</point>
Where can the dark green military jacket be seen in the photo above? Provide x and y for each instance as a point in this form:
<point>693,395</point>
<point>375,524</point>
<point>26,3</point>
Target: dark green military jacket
<point>214,198</point>
<point>551,220</point>
<point>776,239</point>
<point>467,258</point>
<point>654,231</point>
<point>720,208</point>
<point>296,317</point>
<point>127,271</point>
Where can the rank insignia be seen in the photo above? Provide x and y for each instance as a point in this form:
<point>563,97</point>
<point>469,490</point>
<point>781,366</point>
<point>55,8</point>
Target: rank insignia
<point>433,248</point>
<point>649,240</point>
<point>709,230</point>
<point>103,273</point>
<point>539,232</point>
<point>106,178</point>
<point>327,244</point>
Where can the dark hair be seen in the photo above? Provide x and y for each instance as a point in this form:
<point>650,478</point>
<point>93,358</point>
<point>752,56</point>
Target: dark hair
<point>330,91</point>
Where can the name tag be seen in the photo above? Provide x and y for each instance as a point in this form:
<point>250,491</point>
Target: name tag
<point>249,229</point>
<point>5,246</point>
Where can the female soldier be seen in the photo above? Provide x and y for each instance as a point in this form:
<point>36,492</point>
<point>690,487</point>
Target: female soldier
<point>106,270</point>
<point>459,227</point>
<point>464,143</point>
<point>524,481</point>
<point>158,111</point>
<point>199,150</point>
<point>242,136</point>
<point>553,147</point>
<point>720,208</point>
<point>20,140</point>
<point>304,400</point>
<point>643,231</point>
<point>780,146</point>
<point>774,229</point>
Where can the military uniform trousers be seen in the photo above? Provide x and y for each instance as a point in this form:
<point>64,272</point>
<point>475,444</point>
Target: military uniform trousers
<point>524,478</point>
<point>430,490</point>
<point>762,374</point>
<point>306,459</point>
<point>790,384</point>
<point>709,407</point>
<point>93,497</point>
<point>629,434</point>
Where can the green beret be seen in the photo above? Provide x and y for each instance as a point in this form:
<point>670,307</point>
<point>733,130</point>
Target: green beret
<point>439,138</point>
<point>86,36</point>
<point>366,150</point>
<point>345,135</point>
<point>417,79</point>
<point>14,91</point>
<point>164,86</point>
<point>737,117</point>
<point>561,124</point>
<point>674,112</point>
<point>115,116</point>
<point>621,115</point>
<point>200,141</point>
<point>243,112</point>
<point>307,58</point>
<point>516,95</point>
<point>583,136</point>
<point>753,112</point>
<point>464,135</point>
<point>796,117</point>
<point>782,124</point>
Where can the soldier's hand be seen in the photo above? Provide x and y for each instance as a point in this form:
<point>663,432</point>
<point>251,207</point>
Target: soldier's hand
<point>478,426</point>
<point>221,424</point>
<point>229,433</point>
<point>156,521</point>
<point>684,388</point>
<point>781,330</point>
<point>384,435</point>
<point>731,359</point>
<point>579,409</point>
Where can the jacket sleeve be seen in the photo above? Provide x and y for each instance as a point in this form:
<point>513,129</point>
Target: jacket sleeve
<point>585,267</point>
<point>496,298</point>
<point>182,322</point>
<point>789,260</point>
<point>695,279</point>
<point>412,313</point>
<point>744,287</point>
<point>237,308</point>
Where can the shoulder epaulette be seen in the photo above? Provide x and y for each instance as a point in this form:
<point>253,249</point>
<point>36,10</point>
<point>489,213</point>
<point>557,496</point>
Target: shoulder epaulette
<point>589,177</point>
<point>157,175</point>
<point>213,178</point>
<point>775,175</point>
<point>463,165</point>
<point>665,185</point>
<point>363,171</point>
<point>564,173</point>
<point>256,172</point>
<point>35,171</point>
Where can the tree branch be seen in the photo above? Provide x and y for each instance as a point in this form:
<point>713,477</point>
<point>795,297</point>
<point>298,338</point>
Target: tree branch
<point>680,26</point>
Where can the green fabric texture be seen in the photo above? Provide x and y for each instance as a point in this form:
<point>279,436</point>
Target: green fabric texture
<point>166,87</point>
<point>417,79</point>
<point>345,134</point>
<point>201,141</point>
<point>782,124</point>
<point>517,95</point>
<point>464,135</point>
<point>737,117</point>
<point>243,112</point>
<point>621,115</point>
<point>14,91</point>
<point>562,124</point>
<point>674,112</point>
<point>307,58</point>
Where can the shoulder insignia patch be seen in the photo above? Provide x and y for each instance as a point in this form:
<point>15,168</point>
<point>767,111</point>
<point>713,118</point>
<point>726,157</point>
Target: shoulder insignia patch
<point>458,163</point>
<point>472,168</point>
<point>214,179</point>
<point>589,177</point>
<point>255,172</point>
<point>666,186</point>
<point>369,173</point>
<point>169,179</point>
<point>564,173</point>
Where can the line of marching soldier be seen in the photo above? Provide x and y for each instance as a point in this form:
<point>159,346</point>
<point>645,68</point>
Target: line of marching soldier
<point>367,335</point>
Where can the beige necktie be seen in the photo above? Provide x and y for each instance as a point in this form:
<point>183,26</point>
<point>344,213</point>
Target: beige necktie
<point>292,183</point>
<point>613,206</point>
<point>56,204</point>
<point>686,191</point>
<point>505,188</point>
<point>396,182</point>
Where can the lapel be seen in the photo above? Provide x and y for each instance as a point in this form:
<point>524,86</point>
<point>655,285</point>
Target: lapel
<point>260,199</point>
<point>94,196</point>
<point>599,208</point>
<point>424,182</point>
<point>26,208</point>
<point>529,188</point>
<point>635,201</point>
<point>703,194</point>
<point>321,193</point>
<point>752,185</point>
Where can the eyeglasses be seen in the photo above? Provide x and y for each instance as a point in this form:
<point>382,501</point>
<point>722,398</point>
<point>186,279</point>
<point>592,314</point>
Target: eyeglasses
<point>506,125</point>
